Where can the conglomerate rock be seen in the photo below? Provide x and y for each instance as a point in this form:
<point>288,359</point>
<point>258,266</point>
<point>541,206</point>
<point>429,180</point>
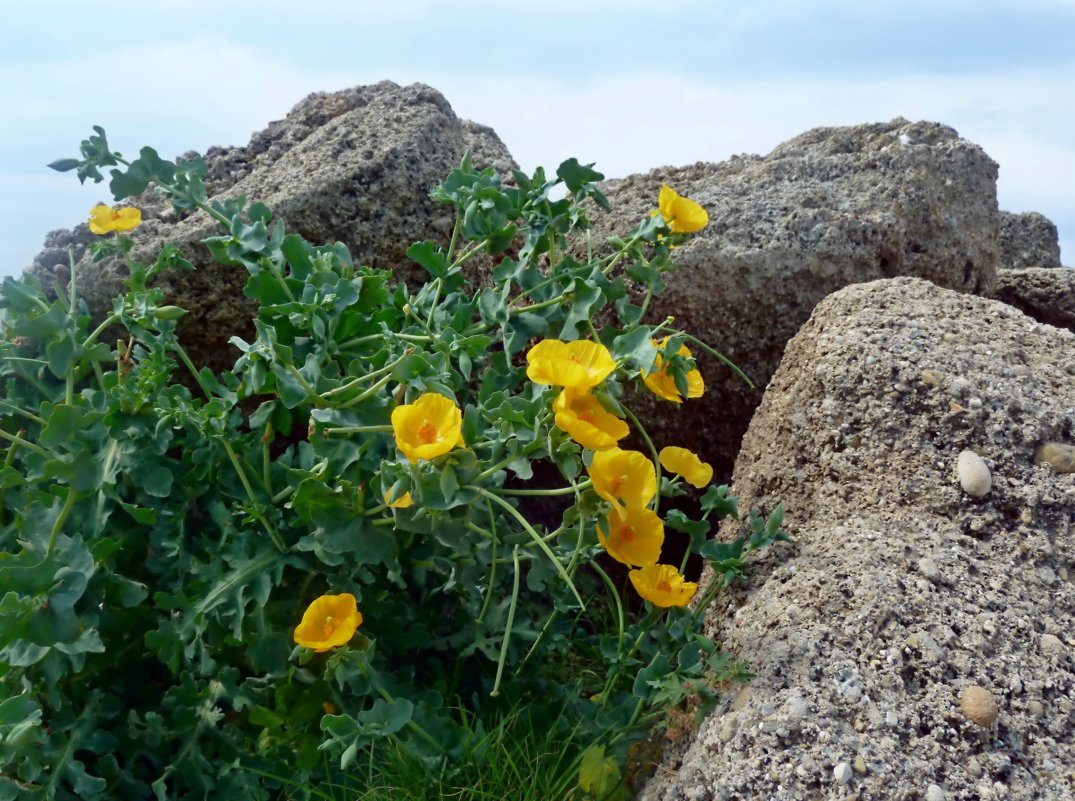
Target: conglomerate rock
<point>831,207</point>
<point>1047,295</point>
<point>355,166</point>
<point>1028,240</point>
<point>906,608</point>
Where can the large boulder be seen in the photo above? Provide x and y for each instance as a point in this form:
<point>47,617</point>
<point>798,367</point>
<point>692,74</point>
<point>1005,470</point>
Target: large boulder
<point>832,207</point>
<point>1028,240</point>
<point>926,588</point>
<point>1046,294</point>
<point>355,166</point>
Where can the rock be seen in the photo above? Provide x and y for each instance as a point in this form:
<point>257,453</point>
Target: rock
<point>974,475</point>
<point>831,207</point>
<point>864,474</point>
<point>842,773</point>
<point>1058,455</point>
<point>355,166</point>
<point>1028,240</point>
<point>978,705</point>
<point>1047,295</point>
<point>934,793</point>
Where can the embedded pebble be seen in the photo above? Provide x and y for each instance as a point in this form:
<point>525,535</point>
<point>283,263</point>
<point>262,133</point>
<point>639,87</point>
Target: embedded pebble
<point>860,765</point>
<point>1057,455</point>
<point>974,475</point>
<point>1051,644</point>
<point>978,705</point>
<point>928,568</point>
<point>932,377</point>
<point>974,768</point>
<point>842,773</point>
<point>1035,708</point>
<point>934,793</point>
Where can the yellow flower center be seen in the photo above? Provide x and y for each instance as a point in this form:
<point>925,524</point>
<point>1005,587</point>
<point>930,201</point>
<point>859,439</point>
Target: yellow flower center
<point>617,484</point>
<point>627,534</point>
<point>664,586</point>
<point>585,416</point>
<point>427,434</point>
<point>328,628</point>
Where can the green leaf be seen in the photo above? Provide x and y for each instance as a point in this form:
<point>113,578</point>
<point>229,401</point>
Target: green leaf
<point>430,256</point>
<point>718,500</point>
<point>64,165</point>
<point>574,175</point>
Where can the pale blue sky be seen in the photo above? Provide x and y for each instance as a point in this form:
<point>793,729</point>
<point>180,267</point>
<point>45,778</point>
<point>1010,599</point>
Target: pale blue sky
<point>630,85</point>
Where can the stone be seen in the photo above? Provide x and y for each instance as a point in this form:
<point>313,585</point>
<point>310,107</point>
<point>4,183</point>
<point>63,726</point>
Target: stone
<point>354,166</point>
<point>842,773</point>
<point>1058,455</point>
<point>831,207</point>
<point>861,516</point>
<point>1028,240</point>
<point>1047,295</point>
<point>978,705</point>
<point>1051,644</point>
<point>974,475</point>
<point>934,793</point>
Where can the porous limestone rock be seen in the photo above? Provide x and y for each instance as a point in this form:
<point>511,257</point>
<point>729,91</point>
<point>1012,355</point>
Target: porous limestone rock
<point>861,450</point>
<point>831,207</point>
<point>1046,294</point>
<point>1028,240</point>
<point>355,166</point>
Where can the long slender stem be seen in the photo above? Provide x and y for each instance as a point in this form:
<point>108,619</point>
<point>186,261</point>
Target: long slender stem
<point>713,352</point>
<point>619,606</point>
<point>492,569</point>
<point>534,536</point>
<point>369,393</point>
<point>109,321</point>
<point>57,527</point>
<point>508,625</point>
<point>255,506</point>
<point>72,315</point>
<point>28,415</point>
<point>548,492</point>
<point>33,446</point>
<point>355,382</point>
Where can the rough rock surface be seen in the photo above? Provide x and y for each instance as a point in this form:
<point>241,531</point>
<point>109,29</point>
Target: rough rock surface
<point>900,591</point>
<point>1027,240</point>
<point>355,166</point>
<point>831,207</point>
<point>1047,295</point>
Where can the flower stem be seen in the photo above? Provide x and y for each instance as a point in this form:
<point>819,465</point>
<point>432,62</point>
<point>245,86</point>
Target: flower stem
<point>619,606</point>
<point>717,354</point>
<point>492,569</point>
<point>28,415</point>
<point>367,394</point>
<point>508,625</point>
<point>109,321</point>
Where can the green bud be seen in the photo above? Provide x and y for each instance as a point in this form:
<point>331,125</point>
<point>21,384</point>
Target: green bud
<point>170,312</point>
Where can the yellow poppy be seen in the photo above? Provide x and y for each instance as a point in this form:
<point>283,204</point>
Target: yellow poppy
<point>663,585</point>
<point>428,428</point>
<point>634,536</point>
<point>104,219</point>
<point>663,385</point>
<point>586,421</point>
<point>683,215</point>
<point>329,621</point>
<point>402,502</point>
<point>687,464</point>
<point>580,365</point>
<point>623,478</point>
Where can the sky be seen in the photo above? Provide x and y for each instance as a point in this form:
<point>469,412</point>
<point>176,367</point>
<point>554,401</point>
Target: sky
<point>629,85</point>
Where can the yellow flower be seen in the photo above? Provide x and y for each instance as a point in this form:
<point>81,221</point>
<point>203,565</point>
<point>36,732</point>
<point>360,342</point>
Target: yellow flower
<point>103,219</point>
<point>663,385</point>
<point>687,464</point>
<point>623,478</point>
<point>329,621</point>
<point>427,428</point>
<point>402,502</point>
<point>580,365</point>
<point>662,585</point>
<point>586,421</point>
<point>635,536</point>
<point>683,216</point>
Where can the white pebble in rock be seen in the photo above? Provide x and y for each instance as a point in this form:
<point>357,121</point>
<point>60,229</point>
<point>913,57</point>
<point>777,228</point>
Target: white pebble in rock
<point>929,568</point>
<point>1051,644</point>
<point>842,773</point>
<point>934,793</point>
<point>974,475</point>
